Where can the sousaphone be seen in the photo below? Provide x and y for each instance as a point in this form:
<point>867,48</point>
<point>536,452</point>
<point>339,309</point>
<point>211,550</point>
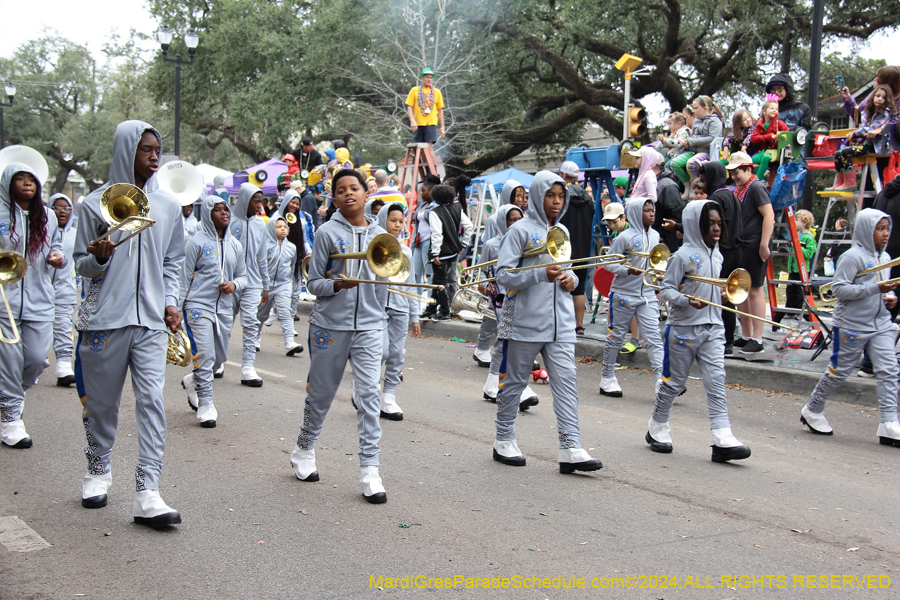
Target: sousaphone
<point>182,180</point>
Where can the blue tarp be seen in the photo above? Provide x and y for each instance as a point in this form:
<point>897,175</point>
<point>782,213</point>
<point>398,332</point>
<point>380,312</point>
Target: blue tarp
<point>501,177</point>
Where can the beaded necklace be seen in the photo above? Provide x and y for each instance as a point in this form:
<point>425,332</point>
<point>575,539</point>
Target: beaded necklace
<point>426,103</point>
<point>742,190</point>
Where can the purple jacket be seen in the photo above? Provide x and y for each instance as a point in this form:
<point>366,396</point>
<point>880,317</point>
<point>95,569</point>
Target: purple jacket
<point>850,105</point>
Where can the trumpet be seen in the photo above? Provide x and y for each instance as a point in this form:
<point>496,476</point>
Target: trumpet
<point>12,268</point>
<point>126,207</point>
<point>411,296</point>
<point>658,255</point>
<point>557,246</point>
<point>291,218</point>
<point>468,299</point>
<point>178,350</point>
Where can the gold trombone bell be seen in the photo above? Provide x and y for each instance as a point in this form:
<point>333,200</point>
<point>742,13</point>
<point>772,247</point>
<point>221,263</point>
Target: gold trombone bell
<point>658,255</point>
<point>126,207</point>
<point>178,351</point>
<point>12,268</point>
<point>557,246</point>
<point>291,218</point>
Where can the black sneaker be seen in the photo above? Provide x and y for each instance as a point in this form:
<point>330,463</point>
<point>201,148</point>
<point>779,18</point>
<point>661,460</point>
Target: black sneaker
<point>752,347</point>
<point>441,316</point>
<point>428,314</point>
<point>729,350</point>
<point>740,343</point>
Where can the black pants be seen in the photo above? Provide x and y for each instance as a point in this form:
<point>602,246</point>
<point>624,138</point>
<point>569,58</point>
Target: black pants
<point>445,275</point>
<point>732,260</point>
<point>793,298</point>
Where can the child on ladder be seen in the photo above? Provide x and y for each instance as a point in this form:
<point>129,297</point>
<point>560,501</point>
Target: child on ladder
<point>878,112</point>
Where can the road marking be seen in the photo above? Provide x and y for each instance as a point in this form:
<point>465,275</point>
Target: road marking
<point>17,536</point>
<point>260,371</point>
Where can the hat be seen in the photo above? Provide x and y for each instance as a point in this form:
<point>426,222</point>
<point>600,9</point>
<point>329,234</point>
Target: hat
<point>739,159</point>
<point>426,71</point>
<point>635,153</point>
<point>305,142</point>
<point>620,181</point>
<point>660,160</point>
<point>613,211</point>
<point>569,168</point>
<point>288,157</point>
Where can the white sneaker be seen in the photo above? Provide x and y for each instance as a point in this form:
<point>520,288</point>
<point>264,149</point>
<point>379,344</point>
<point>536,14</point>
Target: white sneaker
<point>249,377</point>
<point>220,372</point>
<point>609,386</point>
<point>295,333</point>
<point>658,436</point>
<point>507,452</point>
<point>816,422</point>
<point>528,398</point>
<point>257,346</point>
<point>482,357</point>
<point>889,434</point>
<point>190,384</point>
<point>64,369</point>
<point>577,459</point>
<point>725,446</point>
<point>492,387</point>
<point>94,489</point>
<point>149,509</point>
<point>13,434</point>
<point>658,384</point>
<point>304,463</point>
<point>207,416</point>
<point>390,409</point>
<point>292,348</point>
<point>372,488</point>
<point>272,318</point>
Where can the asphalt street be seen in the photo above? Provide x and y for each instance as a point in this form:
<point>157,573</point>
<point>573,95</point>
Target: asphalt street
<point>801,507</point>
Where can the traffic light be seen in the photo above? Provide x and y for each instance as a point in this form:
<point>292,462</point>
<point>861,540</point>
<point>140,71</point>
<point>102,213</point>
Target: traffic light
<point>637,122</point>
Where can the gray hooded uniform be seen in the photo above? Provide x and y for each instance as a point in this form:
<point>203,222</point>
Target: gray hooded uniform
<point>30,301</point>
<point>344,325</point>
<point>861,321</point>
<point>65,286</point>
<point>537,317</point>
<point>208,311</point>
<point>489,253</point>
<point>306,221</point>
<point>121,321</point>
<point>251,233</point>
<point>492,225</point>
<point>628,296</point>
<point>281,259</point>
<point>401,312</point>
<point>693,333</point>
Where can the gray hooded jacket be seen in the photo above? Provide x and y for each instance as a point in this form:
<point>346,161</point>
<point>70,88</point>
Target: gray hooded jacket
<point>31,298</point>
<point>635,239</point>
<point>356,309</point>
<point>251,233</point>
<point>704,132</point>
<point>396,301</point>
<point>209,261</point>
<point>143,276</point>
<point>695,258</point>
<point>281,258</point>
<point>64,278</point>
<point>492,246</point>
<point>535,310</point>
<point>506,197</point>
<point>860,306</point>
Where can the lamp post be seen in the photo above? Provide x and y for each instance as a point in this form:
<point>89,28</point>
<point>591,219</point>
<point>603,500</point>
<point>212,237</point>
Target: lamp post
<point>191,39</point>
<point>10,90</point>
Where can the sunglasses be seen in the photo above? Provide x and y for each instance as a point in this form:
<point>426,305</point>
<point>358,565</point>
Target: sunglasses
<point>61,208</point>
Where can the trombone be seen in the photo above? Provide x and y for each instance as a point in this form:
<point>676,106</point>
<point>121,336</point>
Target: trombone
<point>385,259</point>
<point>411,296</point>
<point>126,207</point>
<point>557,246</point>
<point>658,255</point>
<point>178,350</point>
<point>467,299</point>
<point>12,268</point>
<point>291,218</point>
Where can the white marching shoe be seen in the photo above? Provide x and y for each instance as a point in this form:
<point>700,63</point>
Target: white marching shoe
<point>577,459</point>
<point>725,446</point>
<point>482,357</point>
<point>207,416</point>
<point>190,384</point>
<point>609,386</point>
<point>65,376</point>
<point>249,377</point>
<point>390,409</point>
<point>149,509</point>
<point>272,318</point>
<point>304,463</point>
<point>13,434</point>
<point>889,434</point>
<point>528,398</point>
<point>94,489</point>
<point>658,436</point>
<point>816,422</point>
<point>292,348</point>
<point>220,372</point>
<point>507,452</point>
<point>658,385</point>
<point>372,488</point>
<point>492,387</point>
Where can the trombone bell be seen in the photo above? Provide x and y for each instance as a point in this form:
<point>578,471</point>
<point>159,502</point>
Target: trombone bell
<point>657,256</point>
<point>124,207</point>
<point>12,268</point>
<point>383,254</point>
<point>291,218</point>
<point>178,351</point>
<point>468,299</point>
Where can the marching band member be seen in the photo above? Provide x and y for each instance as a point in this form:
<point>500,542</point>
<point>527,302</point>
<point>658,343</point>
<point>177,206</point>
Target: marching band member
<point>346,324</point>
<point>538,316</point>
<point>301,233</point>
<point>282,262</point>
<point>249,229</point>
<point>131,298</point>
<point>401,312</point>
<point>66,289</point>
<point>27,228</point>
<point>213,272</point>
<point>695,332</point>
<point>629,297</point>
<point>862,321</point>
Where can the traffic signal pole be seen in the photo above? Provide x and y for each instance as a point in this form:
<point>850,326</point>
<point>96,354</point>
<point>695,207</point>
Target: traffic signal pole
<point>627,119</point>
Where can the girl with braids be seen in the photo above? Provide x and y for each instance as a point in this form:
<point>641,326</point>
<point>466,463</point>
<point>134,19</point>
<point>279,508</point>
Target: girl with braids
<point>26,228</point>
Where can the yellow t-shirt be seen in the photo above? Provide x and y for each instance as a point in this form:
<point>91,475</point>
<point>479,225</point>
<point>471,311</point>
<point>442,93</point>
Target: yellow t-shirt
<point>422,119</point>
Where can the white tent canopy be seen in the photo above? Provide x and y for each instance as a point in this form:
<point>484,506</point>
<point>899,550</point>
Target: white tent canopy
<point>210,172</point>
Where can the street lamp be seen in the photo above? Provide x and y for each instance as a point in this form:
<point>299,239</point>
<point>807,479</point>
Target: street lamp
<point>10,90</point>
<point>191,40</point>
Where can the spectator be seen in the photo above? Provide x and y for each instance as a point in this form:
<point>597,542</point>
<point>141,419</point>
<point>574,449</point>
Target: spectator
<point>447,220</point>
<point>708,125</point>
<point>794,293</point>
<point>794,113</point>
<point>678,133</point>
<point>739,138</point>
<point>578,219</point>
<point>889,76</point>
<point>219,187</point>
<point>306,156</point>
<point>668,205</point>
<point>425,107</point>
<point>765,135</point>
<point>646,159</point>
<point>698,190</point>
<point>878,113</point>
<point>620,185</point>
<point>422,269</point>
<point>688,112</point>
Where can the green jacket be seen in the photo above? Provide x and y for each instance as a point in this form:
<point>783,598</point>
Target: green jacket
<point>808,243</point>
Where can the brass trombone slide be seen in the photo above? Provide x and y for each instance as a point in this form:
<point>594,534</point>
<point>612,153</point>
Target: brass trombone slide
<point>124,206</point>
<point>411,296</point>
<point>557,246</point>
<point>380,255</point>
<point>12,268</point>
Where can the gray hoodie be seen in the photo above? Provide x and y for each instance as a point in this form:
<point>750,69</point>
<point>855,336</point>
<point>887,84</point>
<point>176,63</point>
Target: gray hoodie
<point>281,258</point>
<point>357,309</point>
<point>860,306</point>
<point>506,197</point>
<point>31,298</point>
<point>396,301</point>
<point>535,310</point>
<point>64,278</point>
<point>695,258</point>
<point>492,246</point>
<point>210,261</point>
<point>251,233</point>
<point>305,219</point>
<point>635,239</point>
<point>142,277</point>
<point>704,132</point>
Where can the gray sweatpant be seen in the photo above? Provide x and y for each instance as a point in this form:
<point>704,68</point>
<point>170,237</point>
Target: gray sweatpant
<point>209,334</point>
<point>394,351</point>
<point>621,311</point>
<point>63,340</point>
<point>296,290</point>
<point>683,345</point>
<point>246,302</point>
<point>329,352</point>
<point>486,334</point>
<point>21,364</point>
<point>559,360</point>
<point>102,359</point>
<point>847,348</point>
<point>280,301</point>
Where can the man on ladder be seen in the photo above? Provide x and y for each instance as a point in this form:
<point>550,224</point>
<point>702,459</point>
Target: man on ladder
<point>425,107</point>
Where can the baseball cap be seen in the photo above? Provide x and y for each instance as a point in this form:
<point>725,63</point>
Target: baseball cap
<point>426,71</point>
<point>635,153</point>
<point>620,181</point>
<point>661,160</point>
<point>613,211</point>
<point>305,142</point>
<point>288,157</point>
<point>739,159</point>
<point>569,168</point>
